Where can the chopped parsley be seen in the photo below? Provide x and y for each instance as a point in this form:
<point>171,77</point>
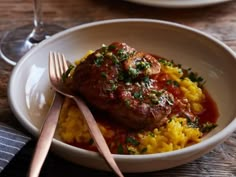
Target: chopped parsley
<point>193,123</point>
<point>120,149</point>
<point>113,86</point>
<point>156,92</point>
<point>144,150</point>
<point>91,141</point>
<point>156,97</point>
<point>127,103</point>
<point>66,74</point>
<point>122,54</point>
<point>155,100</point>
<point>121,76</point>
<point>133,73</point>
<point>176,83</point>
<point>99,60</point>
<point>115,59</point>
<point>166,62</point>
<point>143,65</point>
<point>172,82</point>
<point>151,134</point>
<point>104,49</point>
<point>130,151</point>
<point>207,127</point>
<point>161,98</point>
<point>169,100</point>
<point>195,78</point>
<point>111,47</point>
<point>132,141</point>
<point>146,79</point>
<point>104,75</point>
<point>138,95</point>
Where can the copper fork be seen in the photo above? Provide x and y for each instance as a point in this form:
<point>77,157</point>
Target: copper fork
<point>57,67</point>
<point>46,136</point>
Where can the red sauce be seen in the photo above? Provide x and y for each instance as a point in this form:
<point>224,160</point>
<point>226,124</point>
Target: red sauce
<point>210,113</point>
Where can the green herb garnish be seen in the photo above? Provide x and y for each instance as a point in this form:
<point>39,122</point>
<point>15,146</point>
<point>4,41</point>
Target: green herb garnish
<point>192,123</point>
<point>131,151</point>
<point>99,60</point>
<point>115,59</point>
<point>143,65</point>
<point>104,75</point>
<point>143,150</point>
<point>112,87</point>
<point>166,62</point>
<point>104,49</point>
<point>127,103</point>
<point>133,73</point>
<point>146,79</point>
<point>151,134</point>
<point>156,92</point>
<point>194,77</point>
<point>120,149</point>
<point>138,95</point>
<point>91,141</point>
<point>122,54</point>
<point>111,47</point>
<point>172,82</point>
<point>207,127</point>
<point>132,141</point>
<point>121,76</point>
<point>66,74</point>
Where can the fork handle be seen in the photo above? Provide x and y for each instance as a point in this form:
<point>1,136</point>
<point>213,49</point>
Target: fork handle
<point>46,136</point>
<point>97,136</point>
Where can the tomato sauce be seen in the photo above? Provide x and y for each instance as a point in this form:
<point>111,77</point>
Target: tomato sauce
<point>210,113</point>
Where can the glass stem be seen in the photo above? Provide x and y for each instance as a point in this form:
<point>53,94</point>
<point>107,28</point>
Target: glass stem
<point>38,34</point>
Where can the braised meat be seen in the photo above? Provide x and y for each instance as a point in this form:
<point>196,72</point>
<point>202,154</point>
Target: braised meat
<point>124,82</point>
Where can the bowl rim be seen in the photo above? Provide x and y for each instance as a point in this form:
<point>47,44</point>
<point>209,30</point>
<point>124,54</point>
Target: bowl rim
<point>179,4</point>
<point>223,134</point>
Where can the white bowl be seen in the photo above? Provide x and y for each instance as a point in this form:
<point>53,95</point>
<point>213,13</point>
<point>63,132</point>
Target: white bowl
<point>179,3</point>
<point>29,87</point>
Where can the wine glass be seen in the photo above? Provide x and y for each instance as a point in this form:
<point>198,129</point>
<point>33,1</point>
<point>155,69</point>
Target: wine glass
<point>16,43</point>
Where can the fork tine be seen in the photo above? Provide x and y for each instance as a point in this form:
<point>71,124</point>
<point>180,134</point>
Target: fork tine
<point>64,63</point>
<point>60,63</point>
<point>57,66</point>
<point>52,72</point>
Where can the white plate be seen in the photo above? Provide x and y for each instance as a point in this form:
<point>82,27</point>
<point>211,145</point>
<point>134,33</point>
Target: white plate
<point>178,3</point>
<point>29,87</point>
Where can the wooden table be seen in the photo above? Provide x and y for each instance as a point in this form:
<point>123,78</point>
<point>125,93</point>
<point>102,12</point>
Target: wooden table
<point>218,21</point>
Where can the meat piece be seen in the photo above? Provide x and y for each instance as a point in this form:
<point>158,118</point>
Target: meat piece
<point>147,64</point>
<point>118,79</point>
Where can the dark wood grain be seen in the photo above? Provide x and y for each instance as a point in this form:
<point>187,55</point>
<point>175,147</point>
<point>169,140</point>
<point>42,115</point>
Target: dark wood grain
<point>218,21</point>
